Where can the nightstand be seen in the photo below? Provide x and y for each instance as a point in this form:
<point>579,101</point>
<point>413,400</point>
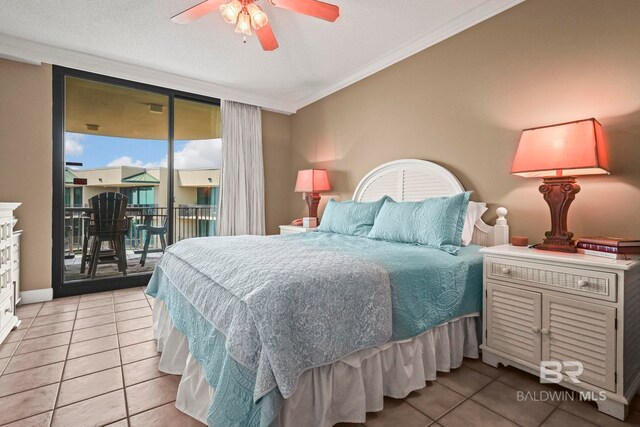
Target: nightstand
<point>553,306</point>
<point>293,229</point>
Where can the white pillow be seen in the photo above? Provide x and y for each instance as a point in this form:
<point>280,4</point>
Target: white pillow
<point>474,212</point>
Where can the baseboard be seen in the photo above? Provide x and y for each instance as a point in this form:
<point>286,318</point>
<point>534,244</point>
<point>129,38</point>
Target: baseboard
<point>39,295</point>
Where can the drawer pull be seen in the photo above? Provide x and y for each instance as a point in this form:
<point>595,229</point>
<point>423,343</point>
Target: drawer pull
<point>506,270</point>
<point>583,283</point>
<point>544,331</point>
<point>7,310</point>
<point>535,330</point>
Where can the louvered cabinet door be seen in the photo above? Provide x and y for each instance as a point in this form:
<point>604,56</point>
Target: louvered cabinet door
<point>583,332</point>
<point>513,321</point>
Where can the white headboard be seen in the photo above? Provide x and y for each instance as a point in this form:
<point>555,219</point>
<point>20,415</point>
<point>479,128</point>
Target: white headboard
<point>412,180</point>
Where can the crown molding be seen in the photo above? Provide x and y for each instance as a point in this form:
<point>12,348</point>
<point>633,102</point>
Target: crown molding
<point>480,13</point>
<point>31,52</point>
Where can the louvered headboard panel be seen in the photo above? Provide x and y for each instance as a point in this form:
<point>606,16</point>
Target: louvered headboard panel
<point>412,180</point>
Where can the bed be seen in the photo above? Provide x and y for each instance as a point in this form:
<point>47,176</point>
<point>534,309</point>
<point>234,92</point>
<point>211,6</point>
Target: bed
<point>316,328</point>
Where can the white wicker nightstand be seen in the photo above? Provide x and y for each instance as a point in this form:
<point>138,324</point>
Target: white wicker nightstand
<point>293,229</point>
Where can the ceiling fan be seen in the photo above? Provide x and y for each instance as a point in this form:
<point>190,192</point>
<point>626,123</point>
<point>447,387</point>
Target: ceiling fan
<point>246,14</point>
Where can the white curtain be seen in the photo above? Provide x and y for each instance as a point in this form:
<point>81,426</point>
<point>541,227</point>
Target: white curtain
<point>241,207</point>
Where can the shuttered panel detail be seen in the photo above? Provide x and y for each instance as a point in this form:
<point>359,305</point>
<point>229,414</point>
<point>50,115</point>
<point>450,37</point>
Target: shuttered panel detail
<point>511,313</point>
<point>386,185</point>
<point>416,186</point>
<point>582,332</point>
<point>632,332</point>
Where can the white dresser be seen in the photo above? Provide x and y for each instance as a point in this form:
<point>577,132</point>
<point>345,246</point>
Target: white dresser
<point>552,306</point>
<point>8,251</point>
<point>293,229</point>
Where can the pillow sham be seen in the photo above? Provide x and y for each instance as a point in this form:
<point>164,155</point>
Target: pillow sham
<point>350,217</point>
<point>474,213</point>
<point>436,222</point>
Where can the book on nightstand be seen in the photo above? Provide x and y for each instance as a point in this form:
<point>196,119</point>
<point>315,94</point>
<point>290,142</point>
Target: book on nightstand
<point>609,247</point>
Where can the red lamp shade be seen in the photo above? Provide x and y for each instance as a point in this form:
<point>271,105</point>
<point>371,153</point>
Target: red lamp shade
<point>566,149</point>
<point>312,181</point>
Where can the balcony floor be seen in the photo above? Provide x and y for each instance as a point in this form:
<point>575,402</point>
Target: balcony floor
<point>72,267</point>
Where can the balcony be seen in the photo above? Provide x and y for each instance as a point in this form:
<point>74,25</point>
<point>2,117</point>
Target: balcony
<point>188,220</point>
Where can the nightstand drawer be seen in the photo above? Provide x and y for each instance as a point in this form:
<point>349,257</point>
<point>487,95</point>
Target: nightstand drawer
<point>596,284</point>
<point>6,312</point>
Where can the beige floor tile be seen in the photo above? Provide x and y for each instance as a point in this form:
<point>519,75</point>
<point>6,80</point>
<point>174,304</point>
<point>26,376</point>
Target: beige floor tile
<point>55,328</point>
<point>127,291</point>
<point>589,411</point>
<point>96,296</point>
<point>40,420</point>
<point>133,314</point>
<point>90,364</point>
<point>62,301</point>
<point>164,416</point>
<point>36,358</point>
<point>434,400</point>
<point>131,305</point>
<point>27,403</point>
<point>526,382</point>
<point>94,321</point>
<point>3,364</point>
<point>95,303</point>
<point>136,352</point>
<point>25,322</point>
<point>119,299</point>
<point>95,332</point>
<point>133,324</point>
<point>54,318</point>
<point>98,345</point>
<point>464,380</point>
<point>152,393</point>
<point>397,413</point>
<point>350,425</point>
<point>88,386</point>
<point>15,336</point>
<point>29,310</point>
<point>121,423</point>
<point>635,403</point>
<point>483,368</point>
<point>54,309</point>
<point>43,343</point>
<point>95,311</point>
<point>561,418</point>
<point>470,413</point>
<point>135,337</point>
<point>142,370</point>
<point>111,408</point>
<point>7,349</point>
<point>31,378</point>
<point>503,399</point>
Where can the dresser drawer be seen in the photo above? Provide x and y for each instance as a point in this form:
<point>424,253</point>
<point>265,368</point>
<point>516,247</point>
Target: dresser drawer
<point>6,312</point>
<point>595,284</point>
<point>15,247</point>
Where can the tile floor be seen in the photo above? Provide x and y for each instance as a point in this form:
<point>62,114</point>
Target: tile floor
<point>92,361</point>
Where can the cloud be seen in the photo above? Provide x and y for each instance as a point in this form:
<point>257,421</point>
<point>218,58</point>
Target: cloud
<point>199,154</point>
<point>72,144</point>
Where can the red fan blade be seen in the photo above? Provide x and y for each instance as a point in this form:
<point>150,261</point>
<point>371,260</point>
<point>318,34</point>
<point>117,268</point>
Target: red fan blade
<point>267,38</point>
<point>317,9</point>
<point>197,11</point>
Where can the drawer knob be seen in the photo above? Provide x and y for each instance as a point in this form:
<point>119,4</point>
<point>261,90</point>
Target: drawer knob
<point>535,330</point>
<point>583,283</point>
<point>506,270</point>
<point>544,331</point>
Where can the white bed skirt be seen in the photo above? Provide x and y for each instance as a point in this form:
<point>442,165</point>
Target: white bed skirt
<point>341,392</point>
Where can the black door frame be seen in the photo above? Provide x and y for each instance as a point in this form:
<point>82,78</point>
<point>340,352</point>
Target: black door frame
<point>60,289</point>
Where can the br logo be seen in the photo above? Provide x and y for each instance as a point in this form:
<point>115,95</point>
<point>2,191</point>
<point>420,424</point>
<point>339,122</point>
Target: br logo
<point>551,371</point>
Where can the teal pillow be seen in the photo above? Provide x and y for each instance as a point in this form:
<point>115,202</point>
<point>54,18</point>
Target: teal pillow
<point>351,218</point>
<point>435,222</point>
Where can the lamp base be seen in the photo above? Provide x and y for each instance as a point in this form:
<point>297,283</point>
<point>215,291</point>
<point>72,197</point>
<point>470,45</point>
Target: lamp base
<point>559,192</point>
<point>313,200</point>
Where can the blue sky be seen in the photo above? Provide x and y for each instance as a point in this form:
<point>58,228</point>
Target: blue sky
<point>100,151</point>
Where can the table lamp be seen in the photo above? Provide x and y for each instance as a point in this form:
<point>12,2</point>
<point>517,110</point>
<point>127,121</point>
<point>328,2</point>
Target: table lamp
<point>558,153</point>
<point>310,182</point>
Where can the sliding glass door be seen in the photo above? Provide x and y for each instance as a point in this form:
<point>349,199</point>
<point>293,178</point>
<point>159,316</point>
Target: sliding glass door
<point>136,168</point>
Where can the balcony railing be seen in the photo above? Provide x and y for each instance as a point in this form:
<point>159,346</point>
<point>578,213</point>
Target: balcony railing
<point>188,221</point>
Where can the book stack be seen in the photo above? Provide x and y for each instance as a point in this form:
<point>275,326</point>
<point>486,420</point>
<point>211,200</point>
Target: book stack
<point>609,247</point>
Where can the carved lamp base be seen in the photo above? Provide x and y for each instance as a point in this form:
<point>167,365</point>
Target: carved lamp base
<point>313,200</point>
<point>559,192</point>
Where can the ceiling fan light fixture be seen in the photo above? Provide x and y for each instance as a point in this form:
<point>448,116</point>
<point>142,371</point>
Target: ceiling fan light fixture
<point>258,18</point>
<point>244,23</point>
<point>230,11</point>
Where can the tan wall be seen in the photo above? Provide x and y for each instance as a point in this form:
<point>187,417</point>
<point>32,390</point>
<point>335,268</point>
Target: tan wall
<point>25,163</point>
<point>463,103</point>
<point>276,147</point>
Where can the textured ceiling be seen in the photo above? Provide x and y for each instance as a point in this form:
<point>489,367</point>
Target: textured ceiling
<point>315,57</point>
